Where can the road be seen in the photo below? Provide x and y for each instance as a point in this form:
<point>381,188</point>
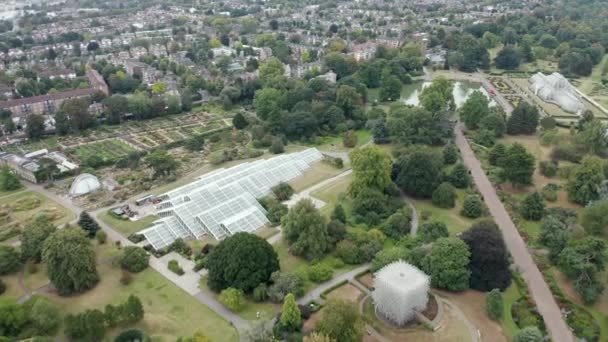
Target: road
<point>547,307</point>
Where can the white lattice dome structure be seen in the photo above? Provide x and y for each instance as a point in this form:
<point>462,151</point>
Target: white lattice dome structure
<point>84,184</point>
<point>400,290</point>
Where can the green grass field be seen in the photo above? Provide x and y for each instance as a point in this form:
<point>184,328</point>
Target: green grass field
<point>126,227</point>
<point>451,217</point>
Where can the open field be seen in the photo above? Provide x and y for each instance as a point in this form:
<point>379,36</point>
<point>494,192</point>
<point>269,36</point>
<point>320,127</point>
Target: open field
<point>347,292</point>
<point>126,227</point>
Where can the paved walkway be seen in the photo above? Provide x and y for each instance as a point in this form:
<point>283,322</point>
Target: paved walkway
<point>547,307</point>
<point>315,294</point>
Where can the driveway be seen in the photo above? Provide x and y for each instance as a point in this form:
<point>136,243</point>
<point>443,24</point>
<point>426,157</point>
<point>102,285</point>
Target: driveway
<point>547,307</point>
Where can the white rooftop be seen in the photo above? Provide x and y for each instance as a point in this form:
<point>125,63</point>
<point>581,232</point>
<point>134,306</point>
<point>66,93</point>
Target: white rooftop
<point>84,184</point>
<point>224,202</point>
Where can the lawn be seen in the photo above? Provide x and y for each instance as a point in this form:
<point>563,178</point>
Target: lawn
<point>334,143</point>
<point>169,311</point>
<point>509,296</point>
<point>126,227</point>
<point>451,217</point>
<point>24,205</point>
<point>317,173</point>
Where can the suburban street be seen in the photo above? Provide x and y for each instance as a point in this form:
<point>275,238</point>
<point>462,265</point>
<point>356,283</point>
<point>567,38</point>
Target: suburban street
<point>547,307</point>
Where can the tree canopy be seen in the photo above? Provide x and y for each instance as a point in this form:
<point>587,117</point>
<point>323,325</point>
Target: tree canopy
<point>241,261</point>
<point>70,261</point>
<point>489,259</point>
<point>306,231</point>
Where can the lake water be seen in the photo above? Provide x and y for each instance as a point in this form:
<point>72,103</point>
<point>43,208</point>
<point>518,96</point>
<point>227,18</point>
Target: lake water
<point>410,93</point>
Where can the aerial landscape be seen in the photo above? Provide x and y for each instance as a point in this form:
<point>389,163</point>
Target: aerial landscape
<point>303,170</point>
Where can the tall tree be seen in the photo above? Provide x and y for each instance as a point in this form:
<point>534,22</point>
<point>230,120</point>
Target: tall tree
<point>533,207</point>
<point>584,181</point>
<point>489,258</point>
<point>518,165</point>
<point>77,111</point>
<point>306,231</point>
<point>33,236</point>
<point>34,126</point>
<point>162,163</point>
<point>390,86</point>
<point>371,169</point>
<point>508,58</point>
<point>474,109</point>
<point>341,321</point>
<point>416,125</point>
<point>448,263</point>
<point>523,119</point>
<point>291,319</point>
<point>70,261</point>
<point>418,174</point>
<point>242,261</point>
<point>88,224</point>
<point>8,180</point>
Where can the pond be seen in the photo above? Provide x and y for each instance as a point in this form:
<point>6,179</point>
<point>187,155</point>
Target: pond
<point>410,93</point>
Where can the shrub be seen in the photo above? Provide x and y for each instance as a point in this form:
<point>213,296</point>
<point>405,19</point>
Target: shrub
<point>132,335</point>
<point>338,213</point>
<point>101,237</point>
<point>459,177</point>
<point>199,265</point>
<point>350,139</point>
<point>260,293</point>
<point>10,260</point>
<point>444,196</point>
<point>2,287</point>
<point>320,273</point>
<point>494,305</point>
<point>548,122</point>
<point>277,146</point>
<point>472,207</point>
<point>566,152</point>
<point>549,192</point>
<point>175,267</point>
<point>533,207</point>
<point>433,230</point>
<point>450,154</point>
<point>134,259</point>
<point>548,168</point>
<point>283,191</point>
<point>284,283</point>
<point>125,277</point>
<point>528,334</point>
<point>233,299</point>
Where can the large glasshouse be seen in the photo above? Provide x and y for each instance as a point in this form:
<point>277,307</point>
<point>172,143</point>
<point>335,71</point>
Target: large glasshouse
<point>224,202</point>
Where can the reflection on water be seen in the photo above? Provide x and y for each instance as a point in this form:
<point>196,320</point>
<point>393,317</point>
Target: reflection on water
<point>461,91</point>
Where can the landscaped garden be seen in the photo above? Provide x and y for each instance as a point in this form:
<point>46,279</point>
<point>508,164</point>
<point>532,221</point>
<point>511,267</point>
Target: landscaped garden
<point>555,196</point>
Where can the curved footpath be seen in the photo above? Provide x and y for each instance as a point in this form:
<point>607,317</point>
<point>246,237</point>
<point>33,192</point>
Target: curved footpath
<point>547,307</point>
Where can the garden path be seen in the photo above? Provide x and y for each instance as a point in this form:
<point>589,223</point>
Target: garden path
<point>547,307</point>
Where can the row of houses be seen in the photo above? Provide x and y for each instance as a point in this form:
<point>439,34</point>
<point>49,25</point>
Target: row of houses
<point>49,103</point>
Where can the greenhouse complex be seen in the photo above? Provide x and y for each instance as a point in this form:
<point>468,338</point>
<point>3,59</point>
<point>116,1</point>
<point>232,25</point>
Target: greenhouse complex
<point>223,202</point>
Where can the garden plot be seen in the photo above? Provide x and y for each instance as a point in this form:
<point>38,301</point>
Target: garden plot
<point>109,150</point>
<point>18,209</point>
